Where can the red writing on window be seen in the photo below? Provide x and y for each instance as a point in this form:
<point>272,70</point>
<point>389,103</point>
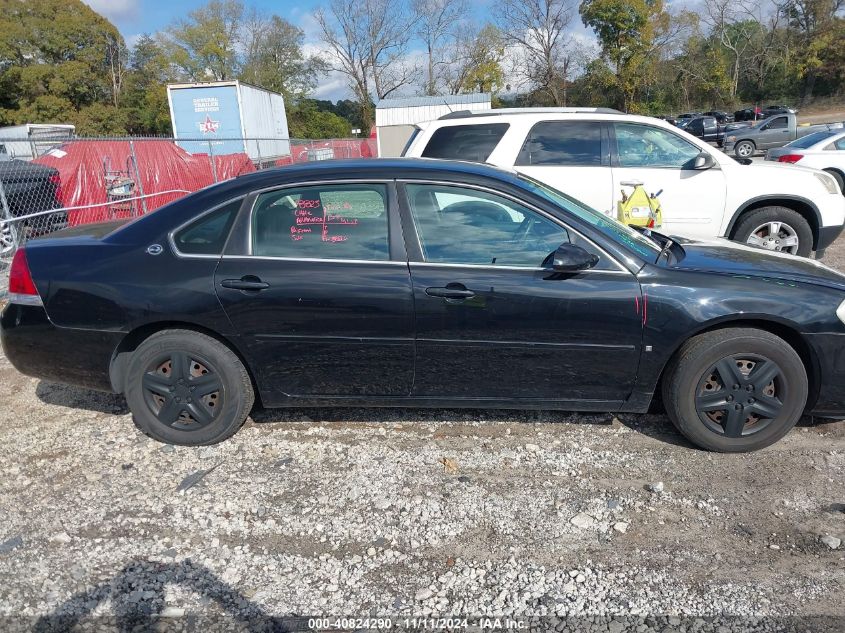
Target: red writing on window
<point>303,217</point>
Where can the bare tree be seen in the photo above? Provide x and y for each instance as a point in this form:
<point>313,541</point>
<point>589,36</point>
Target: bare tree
<point>438,21</point>
<point>118,55</point>
<point>368,41</point>
<point>537,28</point>
<point>733,24</point>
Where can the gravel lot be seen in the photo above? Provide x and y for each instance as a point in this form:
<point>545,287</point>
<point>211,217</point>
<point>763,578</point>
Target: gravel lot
<point>609,523</point>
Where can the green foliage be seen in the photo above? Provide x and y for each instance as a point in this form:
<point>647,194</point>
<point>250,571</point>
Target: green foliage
<point>485,53</point>
<point>205,46</point>
<point>306,120</point>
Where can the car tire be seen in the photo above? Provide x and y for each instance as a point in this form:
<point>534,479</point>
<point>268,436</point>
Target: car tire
<point>744,149</point>
<point>793,224</point>
<point>838,177</point>
<point>187,388</point>
<point>694,390</point>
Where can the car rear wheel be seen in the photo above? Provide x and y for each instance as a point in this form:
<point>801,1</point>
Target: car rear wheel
<point>744,149</point>
<point>735,390</point>
<point>775,229</point>
<point>187,388</point>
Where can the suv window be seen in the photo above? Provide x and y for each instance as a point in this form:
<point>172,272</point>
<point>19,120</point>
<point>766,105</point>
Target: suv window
<point>322,222</point>
<point>465,142</point>
<point>562,143</point>
<point>645,146</point>
<point>457,225</point>
<point>207,235</point>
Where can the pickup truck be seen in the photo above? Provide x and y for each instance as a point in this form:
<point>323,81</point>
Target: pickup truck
<point>708,129</point>
<point>27,188</point>
<point>775,131</point>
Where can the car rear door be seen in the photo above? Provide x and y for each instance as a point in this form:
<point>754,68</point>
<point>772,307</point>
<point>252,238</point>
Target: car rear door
<point>569,155</point>
<point>494,323</point>
<point>316,283</point>
<point>692,201</point>
<point>773,133</point>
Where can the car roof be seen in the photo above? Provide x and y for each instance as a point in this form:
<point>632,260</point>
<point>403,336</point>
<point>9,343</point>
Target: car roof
<point>468,114</point>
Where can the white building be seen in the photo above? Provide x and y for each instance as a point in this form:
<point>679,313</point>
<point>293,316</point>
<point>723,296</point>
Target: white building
<point>396,118</point>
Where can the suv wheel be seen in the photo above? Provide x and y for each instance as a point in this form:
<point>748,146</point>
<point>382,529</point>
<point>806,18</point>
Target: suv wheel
<point>735,390</point>
<point>775,229</point>
<point>187,388</point>
<point>744,149</point>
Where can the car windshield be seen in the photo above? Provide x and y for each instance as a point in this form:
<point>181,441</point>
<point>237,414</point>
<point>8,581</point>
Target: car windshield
<point>811,139</point>
<point>607,226</point>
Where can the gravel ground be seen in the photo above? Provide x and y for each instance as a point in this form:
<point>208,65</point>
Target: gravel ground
<point>561,521</point>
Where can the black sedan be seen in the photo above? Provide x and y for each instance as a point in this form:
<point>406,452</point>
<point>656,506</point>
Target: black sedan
<point>423,283</point>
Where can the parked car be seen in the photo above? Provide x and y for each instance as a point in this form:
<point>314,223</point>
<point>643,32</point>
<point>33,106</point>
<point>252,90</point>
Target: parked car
<point>689,115</point>
<point>422,283</point>
<point>721,116</point>
<point>593,153</point>
<point>747,114</point>
<point>823,150</point>
<point>777,109</point>
<point>776,131</point>
<point>706,128</point>
<point>28,189</point>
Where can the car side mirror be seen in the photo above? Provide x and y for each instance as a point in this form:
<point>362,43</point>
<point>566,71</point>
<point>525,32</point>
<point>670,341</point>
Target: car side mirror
<point>570,258</point>
<point>703,161</point>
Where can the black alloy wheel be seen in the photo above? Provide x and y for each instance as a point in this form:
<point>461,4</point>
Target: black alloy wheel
<point>182,391</point>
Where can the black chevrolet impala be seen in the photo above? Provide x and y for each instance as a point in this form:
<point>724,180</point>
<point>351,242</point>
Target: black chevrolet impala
<point>423,283</point>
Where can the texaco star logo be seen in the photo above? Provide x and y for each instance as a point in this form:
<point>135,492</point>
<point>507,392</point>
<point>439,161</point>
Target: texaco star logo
<point>208,126</point>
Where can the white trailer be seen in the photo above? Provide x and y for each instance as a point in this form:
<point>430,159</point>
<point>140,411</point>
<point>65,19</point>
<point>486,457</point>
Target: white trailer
<point>31,140</point>
<point>228,117</point>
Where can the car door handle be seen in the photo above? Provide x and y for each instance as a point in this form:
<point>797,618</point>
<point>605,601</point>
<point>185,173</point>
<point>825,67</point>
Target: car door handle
<point>450,293</point>
<point>248,282</point>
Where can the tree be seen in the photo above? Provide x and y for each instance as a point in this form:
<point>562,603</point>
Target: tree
<point>275,60</point>
<point>368,41</point>
<point>477,65</point>
<point>818,27</point>
<point>536,28</point>
<point>145,92</point>
<point>308,120</point>
<point>55,60</point>
<point>630,32</point>
<point>437,21</point>
<point>205,46</point>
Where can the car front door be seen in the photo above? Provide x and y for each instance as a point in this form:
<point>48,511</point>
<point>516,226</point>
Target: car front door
<point>316,283</point>
<point>571,156</point>
<point>773,133</point>
<point>692,200</point>
<point>494,323</point>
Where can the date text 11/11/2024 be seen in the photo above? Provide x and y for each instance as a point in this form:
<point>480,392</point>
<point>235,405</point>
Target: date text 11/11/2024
<point>304,220</point>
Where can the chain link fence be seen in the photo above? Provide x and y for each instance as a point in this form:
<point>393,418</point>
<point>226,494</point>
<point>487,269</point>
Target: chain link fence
<point>50,184</point>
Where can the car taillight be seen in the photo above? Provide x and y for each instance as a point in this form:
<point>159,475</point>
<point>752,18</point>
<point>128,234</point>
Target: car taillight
<point>21,287</point>
<point>790,158</point>
<point>56,181</point>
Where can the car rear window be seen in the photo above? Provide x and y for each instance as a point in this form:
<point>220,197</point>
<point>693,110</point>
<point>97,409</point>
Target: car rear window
<point>322,222</point>
<point>207,235</point>
<point>562,143</point>
<point>811,139</point>
<point>465,142</point>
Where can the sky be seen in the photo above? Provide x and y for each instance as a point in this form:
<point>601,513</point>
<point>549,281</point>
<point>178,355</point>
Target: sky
<point>135,17</point>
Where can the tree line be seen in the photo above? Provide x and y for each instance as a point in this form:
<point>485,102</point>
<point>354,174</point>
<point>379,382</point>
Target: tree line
<point>62,62</point>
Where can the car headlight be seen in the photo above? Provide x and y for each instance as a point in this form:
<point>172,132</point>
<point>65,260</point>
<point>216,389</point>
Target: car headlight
<point>731,139</point>
<point>828,181</point>
<point>840,312</point>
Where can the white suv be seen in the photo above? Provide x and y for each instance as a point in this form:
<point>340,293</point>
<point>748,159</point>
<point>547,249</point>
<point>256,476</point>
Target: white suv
<point>589,153</point>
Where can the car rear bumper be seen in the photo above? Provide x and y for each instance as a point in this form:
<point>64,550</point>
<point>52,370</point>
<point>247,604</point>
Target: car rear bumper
<point>829,349</point>
<point>38,348</point>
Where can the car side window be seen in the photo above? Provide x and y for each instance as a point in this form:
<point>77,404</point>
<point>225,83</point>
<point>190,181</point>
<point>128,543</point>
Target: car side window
<point>207,234</point>
<point>322,222</point>
<point>465,142</point>
<point>840,144</point>
<point>562,143</point>
<point>779,123</point>
<point>645,146</point>
<point>458,225</point>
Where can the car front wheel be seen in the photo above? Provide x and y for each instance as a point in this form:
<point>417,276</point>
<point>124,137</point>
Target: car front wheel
<point>744,149</point>
<point>775,229</point>
<point>735,390</point>
<point>187,388</point>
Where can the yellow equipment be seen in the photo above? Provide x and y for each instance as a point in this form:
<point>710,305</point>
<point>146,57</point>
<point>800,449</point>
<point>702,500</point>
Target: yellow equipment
<point>639,208</point>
